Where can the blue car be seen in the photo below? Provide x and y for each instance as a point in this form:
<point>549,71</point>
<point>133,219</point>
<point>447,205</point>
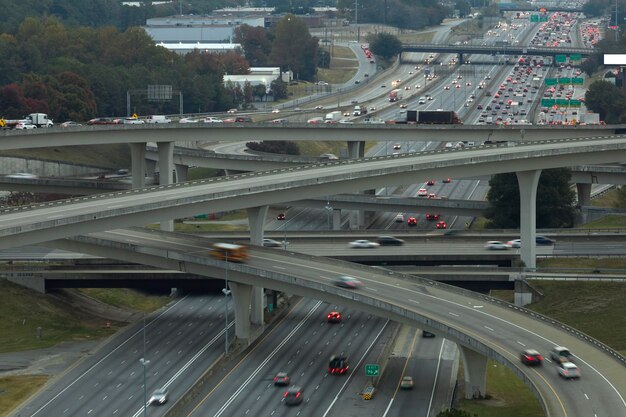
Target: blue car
<point>544,241</point>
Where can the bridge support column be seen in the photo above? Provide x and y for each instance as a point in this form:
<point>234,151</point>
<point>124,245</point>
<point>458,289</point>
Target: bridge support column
<point>150,168</point>
<point>181,172</point>
<point>138,164</point>
<point>356,149</point>
<point>241,299</point>
<point>528,181</point>
<point>256,221</point>
<point>336,219</point>
<point>166,167</point>
<point>475,373</point>
<point>584,194</point>
<point>257,305</point>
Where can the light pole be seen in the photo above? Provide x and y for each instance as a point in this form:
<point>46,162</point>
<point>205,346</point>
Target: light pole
<point>226,292</point>
<point>283,219</point>
<point>145,363</point>
<point>329,210</point>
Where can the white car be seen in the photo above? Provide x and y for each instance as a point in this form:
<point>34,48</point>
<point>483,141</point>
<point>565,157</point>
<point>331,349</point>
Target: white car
<point>515,243</point>
<point>363,244</point>
<point>496,245</point>
<point>275,111</point>
<point>187,120</point>
<point>158,397</point>
<point>212,119</point>
<point>348,282</point>
<point>399,218</point>
<point>25,126</point>
<point>271,243</point>
<point>568,370</point>
<point>422,192</point>
<point>22,175</point>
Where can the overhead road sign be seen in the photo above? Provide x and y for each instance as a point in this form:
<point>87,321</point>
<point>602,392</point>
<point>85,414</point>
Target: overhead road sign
<point>372,369</point>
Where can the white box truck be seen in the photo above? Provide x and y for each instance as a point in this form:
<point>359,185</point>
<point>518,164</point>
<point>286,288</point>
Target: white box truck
<point>333,117</point>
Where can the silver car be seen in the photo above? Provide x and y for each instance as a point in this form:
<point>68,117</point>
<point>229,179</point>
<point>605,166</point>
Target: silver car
<point>568,370</point>
<point>159,397</point>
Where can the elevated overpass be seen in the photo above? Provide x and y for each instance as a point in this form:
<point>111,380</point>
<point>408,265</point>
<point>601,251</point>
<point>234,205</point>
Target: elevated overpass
<point>513,49</point>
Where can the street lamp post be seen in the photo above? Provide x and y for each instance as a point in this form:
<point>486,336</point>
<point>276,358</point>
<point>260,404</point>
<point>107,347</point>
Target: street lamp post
<point>329,210</point>
<point>284,222</point>
<point>226,293</point>
<point>145,363</point>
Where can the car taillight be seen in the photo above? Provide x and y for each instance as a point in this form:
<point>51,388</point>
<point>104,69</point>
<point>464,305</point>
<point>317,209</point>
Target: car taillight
<point>566,372</point>
<point>285,395</point>
<point>539,358</point>
<point>298,395</point>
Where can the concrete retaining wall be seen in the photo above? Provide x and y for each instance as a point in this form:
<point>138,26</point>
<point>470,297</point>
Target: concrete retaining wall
<point>43,168</point>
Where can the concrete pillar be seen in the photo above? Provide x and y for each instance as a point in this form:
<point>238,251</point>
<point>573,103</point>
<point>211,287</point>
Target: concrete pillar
<point>528,181</point>
<point>138,162</point>
<point>584,194</point>
<point>356,149</point>
<point>256,221</point>
<point>475,373</point>
<point>181,172</point>
<point>166,168</point>
<point>257,305</point>
<point>336,219</point>
<point>150,167</point>
<point>241,294</point>
<point>523,294</point>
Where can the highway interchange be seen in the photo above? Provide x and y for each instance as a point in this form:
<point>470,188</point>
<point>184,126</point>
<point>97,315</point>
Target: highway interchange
<point>259,397</point>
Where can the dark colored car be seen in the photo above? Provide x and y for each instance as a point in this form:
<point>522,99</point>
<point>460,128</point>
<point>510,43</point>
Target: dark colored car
<point>389,241</point>
<point>430,182</point>
<point>441,225</point>
<point>243,119</point>
<point>101,121</point>
<point>281,379</point>
<point>430,216</point>
<point>293,396</point>
<point>427,334</point>
<point>544,241</point>
<point>334,317</point>
<point>447,180</point>
<point>531,357</point>
<point>281,216</point>
<point>412,221</point>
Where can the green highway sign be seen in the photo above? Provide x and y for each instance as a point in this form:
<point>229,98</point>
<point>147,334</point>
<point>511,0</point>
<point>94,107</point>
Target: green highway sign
<point>565,80</point>
<point>534,18</point>
<point>574,103</point>
<point>578,81</point>
<point>550,81</point>
<point>562,102</point>
<point>575,57</point>
<point>547,102</point>
<point>560,58</point>
<point>543,18</point>
<point>372,369</point>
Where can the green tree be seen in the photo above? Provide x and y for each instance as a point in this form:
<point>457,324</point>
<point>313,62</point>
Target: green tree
<point>385,45</point>
<point>463,7</point>
<point>607,100</point>
<point>255,43</point>
<point>453,412</point>
<point>555,200</point>
<point>293,47</point>
<point>278,89</point>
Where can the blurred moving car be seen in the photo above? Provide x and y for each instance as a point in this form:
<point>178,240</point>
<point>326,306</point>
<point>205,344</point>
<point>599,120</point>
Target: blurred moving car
<point>407,382</point>
<point>544,241</point>
<point>441,225</point>
<point>430,182</point>
<point>363,244</point>
<point>561,354</point>
<point>568,370</point>
<point>231,111</point>
<point>531,357</point>
<point>430,216</point>
<point>496,245</point>
<point>422,192</point>
<point>187,120</point>
<point>447,180</point>
<point>515,243</point>
<point>25,125</point>
<point>70,123</point>
<point>281,379</point>
<point>397,146</point>
<point>389,241</point>
<point>399,218</point>
<point>412,221</point>
<point>345,281</point>
<point>22,175</point>
<point>280,216</point>
<point>212,119</point>
<point>271,243</point>
<point>427,334</point>
<point>158,397</point>
<point>334,317</point>
<point>293,396</point>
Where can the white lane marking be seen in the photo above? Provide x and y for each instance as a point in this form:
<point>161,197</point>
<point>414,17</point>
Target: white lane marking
<point>92,367</point>
<point>521,343</point>
<point>356,367</point>
<point>266,360</point>
<point>586,396</point>
<point>453,314</point>
<point>279,267</point>
<point>432,393</point>
<point>488,328</point>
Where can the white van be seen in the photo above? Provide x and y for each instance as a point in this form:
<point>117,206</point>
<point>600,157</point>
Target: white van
<point>158,119</point>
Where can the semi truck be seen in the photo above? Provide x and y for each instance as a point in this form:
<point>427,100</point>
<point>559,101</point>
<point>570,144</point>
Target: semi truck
<point>439,117</point>
<point>395,95</point>
<point>359,111</point>
<point>35,119</point>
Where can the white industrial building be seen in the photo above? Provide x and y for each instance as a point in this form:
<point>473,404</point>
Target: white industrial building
<point>191,28</point>
<point>258,76</point>
<point>210,48</point>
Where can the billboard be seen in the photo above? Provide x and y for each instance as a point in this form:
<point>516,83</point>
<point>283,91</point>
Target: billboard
<point>614,59</point>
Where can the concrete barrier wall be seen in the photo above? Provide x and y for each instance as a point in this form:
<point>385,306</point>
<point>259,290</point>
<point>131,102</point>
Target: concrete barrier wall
<point>43,168</point>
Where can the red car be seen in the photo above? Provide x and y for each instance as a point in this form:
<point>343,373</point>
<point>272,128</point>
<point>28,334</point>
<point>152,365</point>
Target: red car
<point>281,216</point>
<point>334,317</point>
<point>412,221</point>
<point>531,357</point>
<point>441,225</point>
<point>430,182</point>
<point>430,216</point>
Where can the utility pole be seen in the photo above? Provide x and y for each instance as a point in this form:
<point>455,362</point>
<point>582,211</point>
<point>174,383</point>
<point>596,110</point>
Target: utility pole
<point>356,18</point>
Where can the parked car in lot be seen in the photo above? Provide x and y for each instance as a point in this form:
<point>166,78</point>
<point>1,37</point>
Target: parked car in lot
<point>363,244</point>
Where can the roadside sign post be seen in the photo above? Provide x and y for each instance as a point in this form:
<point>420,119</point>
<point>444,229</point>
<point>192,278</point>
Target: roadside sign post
<point>372,369</point>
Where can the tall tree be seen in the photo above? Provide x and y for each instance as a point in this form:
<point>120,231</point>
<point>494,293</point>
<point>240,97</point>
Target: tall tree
<point>555,200</point>
<point>294,48</point>
<point>385,45</point>
<point>255,43</point>
<point>607,100</point>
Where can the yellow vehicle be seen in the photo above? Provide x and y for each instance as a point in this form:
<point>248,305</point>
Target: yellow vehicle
<point>229,252</point>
